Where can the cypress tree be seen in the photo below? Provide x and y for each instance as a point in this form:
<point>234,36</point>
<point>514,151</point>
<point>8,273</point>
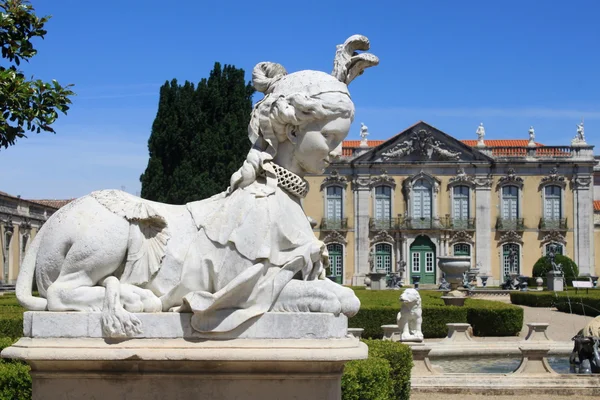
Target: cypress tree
<point>199,137</point>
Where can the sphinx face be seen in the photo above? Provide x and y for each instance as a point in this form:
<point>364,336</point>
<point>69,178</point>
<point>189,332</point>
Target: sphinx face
<point>319,142</point>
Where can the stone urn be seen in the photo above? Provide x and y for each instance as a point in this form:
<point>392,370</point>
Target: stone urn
<point>484,280</point>
<point>539,282</point>
<point>416,279</point>
<point>454,268</point>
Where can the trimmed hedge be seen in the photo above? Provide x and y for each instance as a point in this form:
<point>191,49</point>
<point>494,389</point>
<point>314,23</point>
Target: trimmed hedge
<point>15,381</point>
<point>400,358</point>
<point>569,301</point>
<point>11,325</point>
<point>488,318</point>
<point>542,266</point>
<point>368,379</point>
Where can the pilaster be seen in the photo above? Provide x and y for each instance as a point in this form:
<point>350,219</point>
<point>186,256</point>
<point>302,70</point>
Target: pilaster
<point>362,193</point>
<point>483,225</point>
<point>584,225</point>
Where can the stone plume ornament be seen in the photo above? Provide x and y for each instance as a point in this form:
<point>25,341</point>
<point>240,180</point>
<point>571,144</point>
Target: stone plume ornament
<point>227,259</point>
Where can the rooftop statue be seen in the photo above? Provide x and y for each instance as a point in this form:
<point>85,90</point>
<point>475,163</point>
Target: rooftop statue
<point>228,258</point>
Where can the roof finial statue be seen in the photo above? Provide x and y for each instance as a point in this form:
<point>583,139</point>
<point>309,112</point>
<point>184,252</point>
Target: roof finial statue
<point>364,132</point>
<point>580,136</point>
<point>480,134</point>
<point>531,136</point>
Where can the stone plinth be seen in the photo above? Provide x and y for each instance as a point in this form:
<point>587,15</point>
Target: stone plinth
<point>537,332</point>
<point>377,280</point>
<point>458,333</point>
<point>555,281</point>
<point>391,332</point>
<point>159,366</point>
<point>421,363</point>
<point>534,361</point>
<point>356,332</point>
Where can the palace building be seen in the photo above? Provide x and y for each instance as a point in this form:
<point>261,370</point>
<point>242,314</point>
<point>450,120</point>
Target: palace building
<point>20,220</point>
<point>398,204</point>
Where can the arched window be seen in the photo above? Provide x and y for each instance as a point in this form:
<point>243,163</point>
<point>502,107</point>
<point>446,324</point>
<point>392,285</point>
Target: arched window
<point>336,259</point>
<point>511,259</point>
<point>558,248</point>
<point>460,199</point>
<point>462,249</point>
<point>552,203</point>
<point>383,203</point>
<point>383,257</point>
<point>334,205</point>
<point>510,202</point>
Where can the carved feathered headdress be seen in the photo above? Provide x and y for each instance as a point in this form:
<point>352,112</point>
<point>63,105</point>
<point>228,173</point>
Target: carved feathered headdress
<point>273,80</point>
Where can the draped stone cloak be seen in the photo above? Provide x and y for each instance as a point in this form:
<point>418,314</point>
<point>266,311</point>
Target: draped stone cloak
<point>250,244</point>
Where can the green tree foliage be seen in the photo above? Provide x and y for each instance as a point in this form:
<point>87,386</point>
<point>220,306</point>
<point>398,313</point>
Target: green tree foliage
<point>27,105</point>
<point>199,137</point>
<point>542,266</point>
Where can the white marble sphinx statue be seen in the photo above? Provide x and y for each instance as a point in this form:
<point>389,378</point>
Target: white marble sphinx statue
<point>225,259</point>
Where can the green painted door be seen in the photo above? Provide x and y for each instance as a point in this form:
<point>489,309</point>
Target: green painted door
<point>336,261</point>
<point>422,259</point>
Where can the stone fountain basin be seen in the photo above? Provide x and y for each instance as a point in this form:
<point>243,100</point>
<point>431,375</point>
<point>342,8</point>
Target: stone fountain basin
<point>454,266</point>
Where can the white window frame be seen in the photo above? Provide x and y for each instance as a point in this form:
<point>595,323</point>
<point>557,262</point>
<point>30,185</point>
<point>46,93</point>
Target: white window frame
<point>519,200</point>
<point>562,199</point>
<point>435,188</point>
<point>374,199</point>
<point>469,199</point>
<point>343,199</point>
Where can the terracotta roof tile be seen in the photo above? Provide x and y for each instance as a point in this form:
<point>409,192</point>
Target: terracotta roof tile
<point>348,146</point>
<point>501,142</point>
<point>52,203</point>
<point>596,205</point>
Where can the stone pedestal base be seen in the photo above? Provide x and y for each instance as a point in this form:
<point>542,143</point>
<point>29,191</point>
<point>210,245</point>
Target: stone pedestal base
<point>555,281</point>
<point>458,333</point>
<point>188,368</point>
<point>377,280</point>
<point>391,332</point>
<point>537,332</point>
<point>534,360</point>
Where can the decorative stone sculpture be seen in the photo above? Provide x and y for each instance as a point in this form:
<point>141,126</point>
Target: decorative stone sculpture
<point>364,132</point>
<point>410,316</point>
<point>226,259</point>
<point>480,135</point>
<point>579,139</point>
<point>531,136</point>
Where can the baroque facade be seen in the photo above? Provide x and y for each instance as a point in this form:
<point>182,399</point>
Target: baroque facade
<point>20,220</point>
<point>398,204</point>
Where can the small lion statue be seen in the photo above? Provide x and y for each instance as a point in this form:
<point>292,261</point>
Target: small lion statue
<point>410,316</point>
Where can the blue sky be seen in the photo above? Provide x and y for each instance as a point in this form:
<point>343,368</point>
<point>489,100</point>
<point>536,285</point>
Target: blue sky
<point>509,64</point>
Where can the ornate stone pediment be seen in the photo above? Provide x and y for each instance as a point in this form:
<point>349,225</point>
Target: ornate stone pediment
<point>369,182</point>
<point>383,179</point>
<point>422,143</point>
<point>554,236</point>
<point>511,236</point>
<point>461,236</point>
<point>334,237</point>
<point>382,236</point>
<point>553,179</point>
<point>334,179</point>
<point>461,178</point>
<point>408,182</point>
<point>511,178</point>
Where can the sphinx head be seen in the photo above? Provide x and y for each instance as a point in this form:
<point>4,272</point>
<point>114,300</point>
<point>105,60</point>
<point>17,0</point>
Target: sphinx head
<point>304,116</point>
